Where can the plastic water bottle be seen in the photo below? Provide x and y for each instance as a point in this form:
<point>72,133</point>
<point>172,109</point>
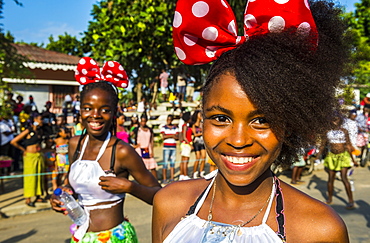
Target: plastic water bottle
<point>352,185</point>
<point>75,211</point>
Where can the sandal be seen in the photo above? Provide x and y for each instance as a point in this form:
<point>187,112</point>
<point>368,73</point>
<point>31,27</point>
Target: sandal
<point>350,206</point>
<point>328,202</point>
<point>31,204</point>
<point>40,200</point>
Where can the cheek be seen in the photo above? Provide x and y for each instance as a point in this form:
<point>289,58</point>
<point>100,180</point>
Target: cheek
<point>212,135</point>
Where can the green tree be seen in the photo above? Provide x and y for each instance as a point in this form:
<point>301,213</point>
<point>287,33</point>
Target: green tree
<point>359,26</point>
<point>11,63</point>
<point>66,44</point>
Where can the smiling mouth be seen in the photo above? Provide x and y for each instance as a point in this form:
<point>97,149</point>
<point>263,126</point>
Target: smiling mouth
<point>95,125</point>
<point>239,160</point>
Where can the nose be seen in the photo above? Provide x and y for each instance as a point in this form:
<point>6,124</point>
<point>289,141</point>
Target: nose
<point>96,113</point>
<point>239,137</point>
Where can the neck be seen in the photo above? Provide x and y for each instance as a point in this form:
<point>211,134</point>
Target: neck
<point>260,188</point>
<point>98,139</point>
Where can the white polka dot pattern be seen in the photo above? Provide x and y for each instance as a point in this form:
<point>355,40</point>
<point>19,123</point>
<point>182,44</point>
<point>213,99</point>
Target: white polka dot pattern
<point>204,29</point>
<point>88,71</point>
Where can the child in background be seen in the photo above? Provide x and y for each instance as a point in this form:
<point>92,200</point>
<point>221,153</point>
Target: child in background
<point>170,133</point>
<point>49,155</point>
<point>121,132</point>
<point>62,162</point>
<point>185,146</point>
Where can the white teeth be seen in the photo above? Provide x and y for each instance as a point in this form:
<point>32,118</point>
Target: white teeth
<point>94,124</point>
<point>239,160</point>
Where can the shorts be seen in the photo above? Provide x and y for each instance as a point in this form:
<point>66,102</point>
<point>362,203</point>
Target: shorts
<point>181,89</point>
<point>300,162</point>
<point>123,232</point>
<point>163,90</point>
<point>336,162</point>
<point>190,91</point>
<point>198,146</point>
<point>185,149</point>
<point>169,156</point>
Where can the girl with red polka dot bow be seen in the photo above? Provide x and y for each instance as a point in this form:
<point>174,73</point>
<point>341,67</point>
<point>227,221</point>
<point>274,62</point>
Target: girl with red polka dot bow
<point>101,164</point>
<point>269,93</point>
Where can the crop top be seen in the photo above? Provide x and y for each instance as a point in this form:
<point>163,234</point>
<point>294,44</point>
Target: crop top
<point>336,136</point>
<point>194,229</point>
<point>34,139</point>
<point>61,149</point>
<point>84,178</point>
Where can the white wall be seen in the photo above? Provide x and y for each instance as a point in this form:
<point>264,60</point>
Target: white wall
<point>40,93</point>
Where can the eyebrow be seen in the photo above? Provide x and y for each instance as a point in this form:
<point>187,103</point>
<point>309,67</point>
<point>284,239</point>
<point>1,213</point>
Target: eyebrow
<point>227,111</point>
<point>103,106</point>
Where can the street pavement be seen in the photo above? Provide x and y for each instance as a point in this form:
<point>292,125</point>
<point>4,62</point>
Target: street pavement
<point>20,223</point>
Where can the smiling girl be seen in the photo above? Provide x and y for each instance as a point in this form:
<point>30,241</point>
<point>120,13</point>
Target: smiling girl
<point>262,99</point>
<point>101,164</point>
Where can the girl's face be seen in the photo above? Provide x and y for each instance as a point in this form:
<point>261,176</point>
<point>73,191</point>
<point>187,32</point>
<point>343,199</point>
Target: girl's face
<point>237,136</point>
<point>97,111</point>
<point>143,122</point>
<point>120,120</point>
<point>37,120</point>
<point>62,133</point>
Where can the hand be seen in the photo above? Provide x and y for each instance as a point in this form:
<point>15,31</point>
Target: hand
<point>114,184</point>
<point>56,204</point>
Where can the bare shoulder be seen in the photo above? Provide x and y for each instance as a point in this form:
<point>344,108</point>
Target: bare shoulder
<point>172,202</point>
<point>308,219</point>
<point>124,149</point>
<point>184,193</point>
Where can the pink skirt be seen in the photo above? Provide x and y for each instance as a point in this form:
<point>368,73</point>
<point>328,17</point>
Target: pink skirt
<point>150,163</point>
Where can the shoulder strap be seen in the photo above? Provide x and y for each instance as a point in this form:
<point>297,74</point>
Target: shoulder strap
<point>113,157</point>
<point>280,211</point>
<point>103,147</point>
<point>194,209</point>
<point>264,220</point>
<point>83,147</point>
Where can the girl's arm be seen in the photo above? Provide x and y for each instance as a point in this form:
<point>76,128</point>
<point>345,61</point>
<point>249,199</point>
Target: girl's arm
<point>145,185</point>
<point>18,138</point>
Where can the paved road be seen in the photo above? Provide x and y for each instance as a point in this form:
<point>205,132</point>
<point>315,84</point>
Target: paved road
<point>47,226</point>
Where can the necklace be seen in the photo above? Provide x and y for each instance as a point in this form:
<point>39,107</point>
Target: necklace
<point>242,224</point>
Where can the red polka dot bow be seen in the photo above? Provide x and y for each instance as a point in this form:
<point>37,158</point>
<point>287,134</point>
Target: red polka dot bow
<point>203,30</point>
<point>88,71</point>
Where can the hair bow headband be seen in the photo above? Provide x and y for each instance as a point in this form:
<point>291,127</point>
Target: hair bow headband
<point>88,71</point>
<point>203,30</point>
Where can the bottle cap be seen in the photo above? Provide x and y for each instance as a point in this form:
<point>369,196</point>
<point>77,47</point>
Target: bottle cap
<point>58,192</point>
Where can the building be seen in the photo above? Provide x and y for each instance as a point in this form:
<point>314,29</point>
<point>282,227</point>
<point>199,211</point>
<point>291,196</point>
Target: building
<point>52,76</point>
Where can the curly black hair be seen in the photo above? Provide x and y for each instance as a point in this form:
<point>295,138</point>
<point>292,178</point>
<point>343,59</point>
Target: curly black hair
<point>291,80</point>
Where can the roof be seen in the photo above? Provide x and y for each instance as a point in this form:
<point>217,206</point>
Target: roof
<point>41,58</point>
<point>41,55</point>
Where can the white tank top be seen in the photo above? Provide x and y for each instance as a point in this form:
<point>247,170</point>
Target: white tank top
<point>84,178</point>
<point>336,136</point>
<point>193,229</point>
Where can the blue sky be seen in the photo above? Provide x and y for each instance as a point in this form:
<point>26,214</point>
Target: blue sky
<point>38,19</point>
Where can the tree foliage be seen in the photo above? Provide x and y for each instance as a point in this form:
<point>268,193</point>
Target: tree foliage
<point>66,44</point>
<point>11,63</point>
<point>359,26</point>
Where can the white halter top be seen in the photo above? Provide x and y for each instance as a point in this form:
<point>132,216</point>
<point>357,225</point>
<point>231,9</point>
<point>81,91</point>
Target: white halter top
<point>84,178</point>
<point>193,229</point>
